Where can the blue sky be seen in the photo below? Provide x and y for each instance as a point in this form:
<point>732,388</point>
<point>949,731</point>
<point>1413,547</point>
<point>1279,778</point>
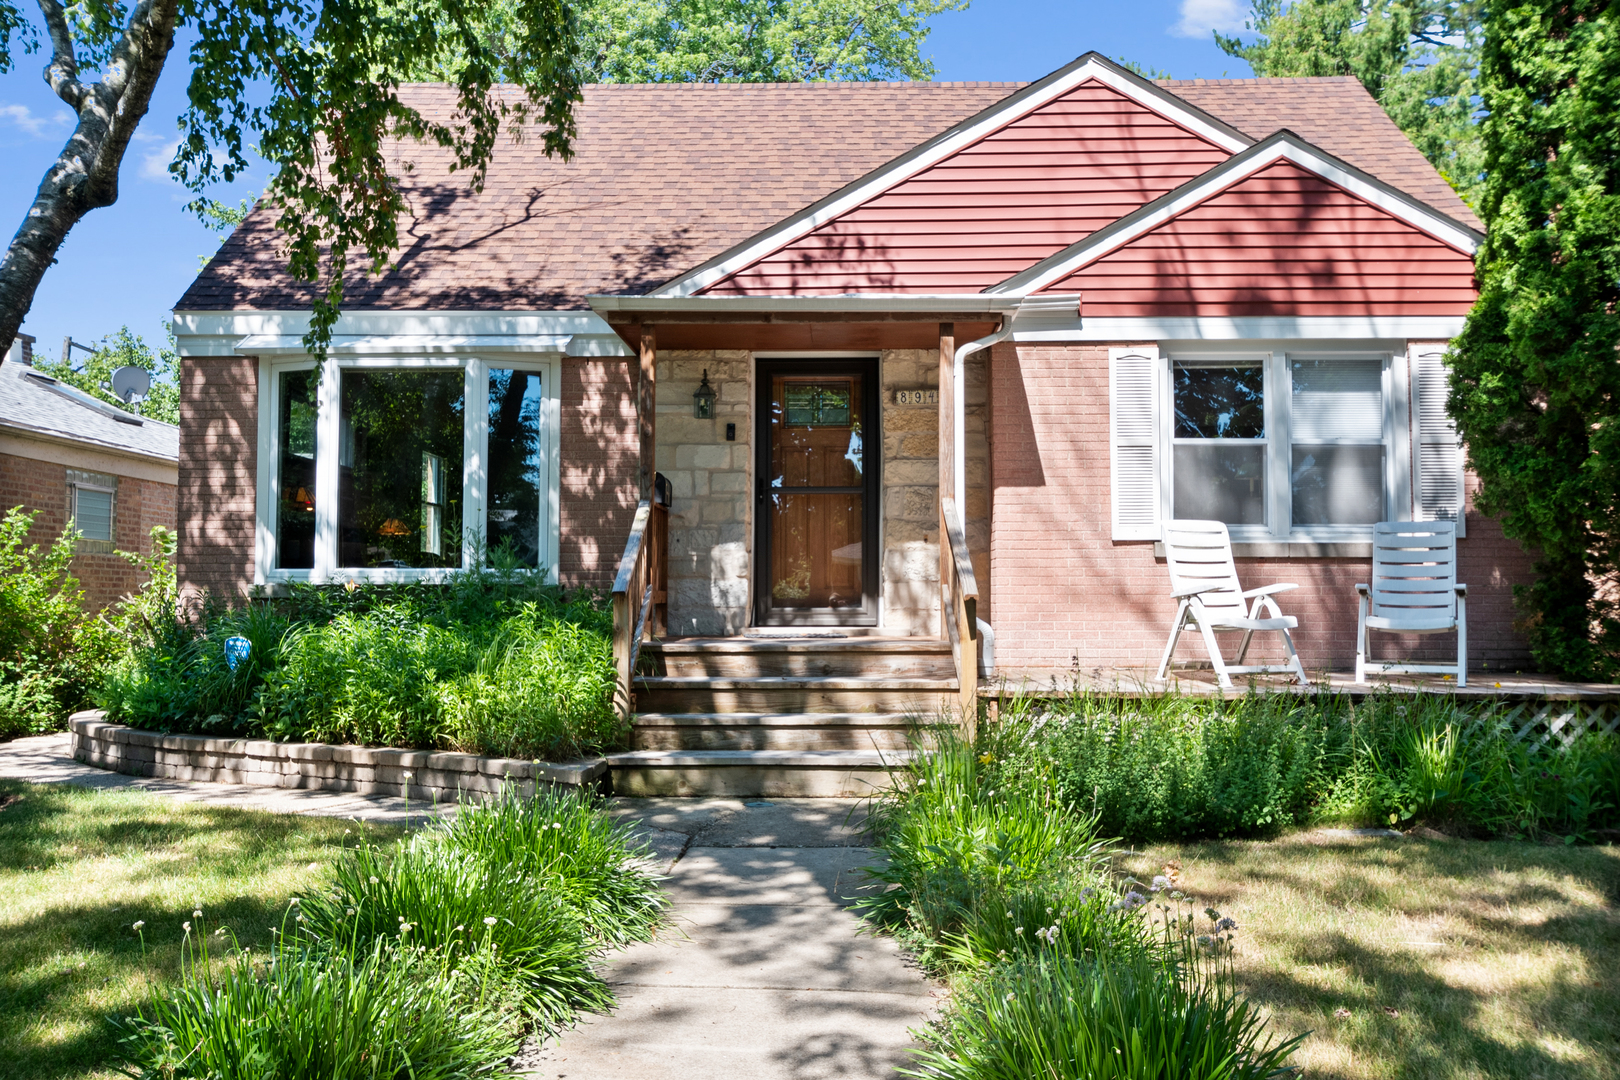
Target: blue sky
<point>129,263</point>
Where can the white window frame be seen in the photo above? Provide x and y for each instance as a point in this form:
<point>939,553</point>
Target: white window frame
<point>1278,389</point>
<point>80,480</point>
<point>474,502</point>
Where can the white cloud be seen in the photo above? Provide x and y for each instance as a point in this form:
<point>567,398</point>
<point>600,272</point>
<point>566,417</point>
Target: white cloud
<point>22,116</point>
<point>1199,17</point>
<point>155,163</point>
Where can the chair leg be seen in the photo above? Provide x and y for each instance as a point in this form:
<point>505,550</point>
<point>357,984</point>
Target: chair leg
<point>1462,641</point>
<point>1243,646</point>
<point>1221,675</point>
<point>1361,642</point>
<point>1175,635</point>
<point>1293,659</point>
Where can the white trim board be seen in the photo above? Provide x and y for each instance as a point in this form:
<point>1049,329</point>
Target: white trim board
<point>221,333</point>
<point>1282,146</point>
<point>1090,66</point>
<point>1391,328</point>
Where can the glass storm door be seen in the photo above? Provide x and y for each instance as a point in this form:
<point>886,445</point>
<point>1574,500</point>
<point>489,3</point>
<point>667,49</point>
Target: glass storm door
<point>816,493</point>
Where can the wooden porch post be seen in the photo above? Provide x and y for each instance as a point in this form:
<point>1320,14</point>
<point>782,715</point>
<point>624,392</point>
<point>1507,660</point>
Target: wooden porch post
<point>947,459</point>
<point>646,409</point>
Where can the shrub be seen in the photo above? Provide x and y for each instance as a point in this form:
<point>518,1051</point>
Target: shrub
<point>51,650</point>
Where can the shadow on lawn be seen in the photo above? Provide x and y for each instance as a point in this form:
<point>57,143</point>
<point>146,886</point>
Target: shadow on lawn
<point>69,961</point>
<point>1489,957</point>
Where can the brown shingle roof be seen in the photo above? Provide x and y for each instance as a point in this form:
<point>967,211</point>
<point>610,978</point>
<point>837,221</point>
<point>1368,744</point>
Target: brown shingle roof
<point>669,176</point>
<point>1337,114</point>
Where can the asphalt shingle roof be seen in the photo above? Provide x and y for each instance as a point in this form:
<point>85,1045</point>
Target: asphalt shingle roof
<point>668,176</point>
<point>32,401</point>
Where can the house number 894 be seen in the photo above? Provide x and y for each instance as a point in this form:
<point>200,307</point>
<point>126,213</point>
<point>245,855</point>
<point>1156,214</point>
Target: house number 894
<point>916,397</point>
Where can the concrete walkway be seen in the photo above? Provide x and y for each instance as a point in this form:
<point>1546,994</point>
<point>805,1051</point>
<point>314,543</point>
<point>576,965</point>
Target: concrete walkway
<point>764,972</point>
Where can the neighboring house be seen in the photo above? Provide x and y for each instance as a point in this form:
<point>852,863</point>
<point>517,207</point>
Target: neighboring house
<point>74,458</point>
<point>1206,298</point>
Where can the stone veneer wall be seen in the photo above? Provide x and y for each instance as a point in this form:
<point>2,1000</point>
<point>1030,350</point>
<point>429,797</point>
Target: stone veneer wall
<point>711,524</point>
<point>365,770</point>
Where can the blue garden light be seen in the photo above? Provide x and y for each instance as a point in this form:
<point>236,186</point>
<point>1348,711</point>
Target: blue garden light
<point>237,649</point>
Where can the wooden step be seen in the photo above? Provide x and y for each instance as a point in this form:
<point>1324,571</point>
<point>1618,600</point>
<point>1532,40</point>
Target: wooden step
<point>804,657</point>
<point>771,731</point>
<point>742,773</point>
<point>921,697</point>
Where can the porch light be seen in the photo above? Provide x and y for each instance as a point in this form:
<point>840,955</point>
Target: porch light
<point>703,399</point>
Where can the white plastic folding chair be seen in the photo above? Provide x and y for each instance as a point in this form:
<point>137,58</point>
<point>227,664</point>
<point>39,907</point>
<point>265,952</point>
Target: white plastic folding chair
<point>1414,590</point>
<point>1204,579</point>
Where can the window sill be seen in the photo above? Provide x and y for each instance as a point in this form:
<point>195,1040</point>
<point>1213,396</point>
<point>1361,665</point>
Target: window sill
<point>1274,550</point>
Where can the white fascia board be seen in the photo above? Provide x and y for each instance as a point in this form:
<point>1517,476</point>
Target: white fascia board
<point>876,303</point>
<point>1359,328</point>
<point>1224,176</point>
<point>597,345</point>
<point>393,345</point>
<point>218,333</point>
<point>1017,106</point>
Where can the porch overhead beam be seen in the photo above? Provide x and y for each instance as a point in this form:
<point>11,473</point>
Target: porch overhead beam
<point>647,407</point>
<point>970,306</point>
<point>682,317</point>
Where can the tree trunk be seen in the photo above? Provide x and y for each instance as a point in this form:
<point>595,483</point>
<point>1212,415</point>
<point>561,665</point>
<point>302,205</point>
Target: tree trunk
<point>85,174</point>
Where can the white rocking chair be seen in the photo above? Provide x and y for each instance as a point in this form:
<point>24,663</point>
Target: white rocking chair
<point>1414,590</point>
<point>1204,578</point>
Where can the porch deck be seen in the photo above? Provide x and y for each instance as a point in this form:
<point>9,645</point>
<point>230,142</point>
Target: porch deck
<point>1200,682</point>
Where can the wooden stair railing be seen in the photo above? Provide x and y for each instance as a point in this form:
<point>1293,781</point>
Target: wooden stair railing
<point>640,593</point>
<point>960,592</point>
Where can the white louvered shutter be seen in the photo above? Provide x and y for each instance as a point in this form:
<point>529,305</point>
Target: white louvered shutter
<point>1133,436</point>
<point>1439,453</point>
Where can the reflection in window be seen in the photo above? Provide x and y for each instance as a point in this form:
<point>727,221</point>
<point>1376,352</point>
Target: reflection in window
<point>295,501</point>
<point>515,464</point>
<point>1337,465</point>
<point>1219,456</point>
<point>399,468</point>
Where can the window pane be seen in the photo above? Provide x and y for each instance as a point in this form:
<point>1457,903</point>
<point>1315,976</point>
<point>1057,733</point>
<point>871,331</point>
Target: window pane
<point>399,468</point>
<point>295,509</point>
<point>1220,402</point>
<point>515,464</point>
<point>92,513</point>
<point>1338,485</point>
<point>1220,482</point>
<point>1338,399</point>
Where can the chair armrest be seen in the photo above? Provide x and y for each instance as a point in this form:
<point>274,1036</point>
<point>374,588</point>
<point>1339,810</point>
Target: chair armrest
<point>1188,593</point>
<point>1363,589</point>
<point>1267,590</point>
<point>1462,590</point>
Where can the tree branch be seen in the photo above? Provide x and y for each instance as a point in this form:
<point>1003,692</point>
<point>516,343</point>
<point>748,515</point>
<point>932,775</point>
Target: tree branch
<point>62,73</point>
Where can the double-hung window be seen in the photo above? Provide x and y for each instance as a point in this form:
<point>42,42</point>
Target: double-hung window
<point>400,469</point>
<point>1283,445</point>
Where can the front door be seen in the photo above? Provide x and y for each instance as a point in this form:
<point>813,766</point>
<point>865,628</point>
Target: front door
<point>816,493</point>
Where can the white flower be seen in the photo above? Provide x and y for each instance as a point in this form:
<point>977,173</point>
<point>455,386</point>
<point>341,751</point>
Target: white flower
<point>490,920</point>
<point>197,914</point>
<point>374,880</point>
<point>293,902</point>
<point>459,928</point>
<point>138,924</point>
<point>556,824</point>
<point>348,911</point>
<point>186,926</point>
<point>220,932</point>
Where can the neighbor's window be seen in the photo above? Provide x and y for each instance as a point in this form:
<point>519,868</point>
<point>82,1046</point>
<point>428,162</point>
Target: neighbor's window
<point>93,496</point>
<point>400,468</point>
<point>1219,452</point>
<point>295,432</point>
<point>516,464</point>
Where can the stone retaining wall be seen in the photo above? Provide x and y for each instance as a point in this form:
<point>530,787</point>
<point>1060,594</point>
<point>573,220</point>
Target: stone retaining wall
<point>416,774</point>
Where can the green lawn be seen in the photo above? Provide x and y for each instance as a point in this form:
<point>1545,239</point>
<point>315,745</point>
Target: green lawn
<point>1423,959</point>
<point>78,868</point>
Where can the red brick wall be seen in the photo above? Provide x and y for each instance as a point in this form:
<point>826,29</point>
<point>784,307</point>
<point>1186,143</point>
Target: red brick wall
<point>219,424</point>
<point>139,505</point>
<point>600,452</point>
<point>1066,593</point>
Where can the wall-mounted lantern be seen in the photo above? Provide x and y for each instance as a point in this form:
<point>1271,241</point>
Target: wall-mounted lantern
<point>703,399</point>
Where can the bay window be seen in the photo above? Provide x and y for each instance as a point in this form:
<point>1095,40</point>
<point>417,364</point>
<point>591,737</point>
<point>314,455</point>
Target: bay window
<point>405,468</point>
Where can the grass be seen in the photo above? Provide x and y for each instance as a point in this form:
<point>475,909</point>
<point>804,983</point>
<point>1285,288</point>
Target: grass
<point>1424,959</point>
<point>79,867</point>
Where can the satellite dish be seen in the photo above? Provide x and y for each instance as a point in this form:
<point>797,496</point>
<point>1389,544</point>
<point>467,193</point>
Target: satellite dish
<point>131,382</point>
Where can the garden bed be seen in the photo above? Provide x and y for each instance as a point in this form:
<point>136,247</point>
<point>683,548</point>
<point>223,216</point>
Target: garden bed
<point>415,774</point>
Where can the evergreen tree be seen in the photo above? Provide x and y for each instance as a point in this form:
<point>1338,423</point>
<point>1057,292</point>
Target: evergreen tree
<point>1536,385</point>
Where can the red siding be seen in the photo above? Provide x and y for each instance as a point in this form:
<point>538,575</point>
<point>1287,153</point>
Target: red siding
<point>1044,181</point>
<point>1281,242</point>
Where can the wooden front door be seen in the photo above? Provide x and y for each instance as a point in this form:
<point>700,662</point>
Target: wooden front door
<point>816,491</point>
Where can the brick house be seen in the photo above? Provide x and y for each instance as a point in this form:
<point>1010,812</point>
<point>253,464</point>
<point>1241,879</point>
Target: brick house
<point>1014,297</point>
<point>69,456</point>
